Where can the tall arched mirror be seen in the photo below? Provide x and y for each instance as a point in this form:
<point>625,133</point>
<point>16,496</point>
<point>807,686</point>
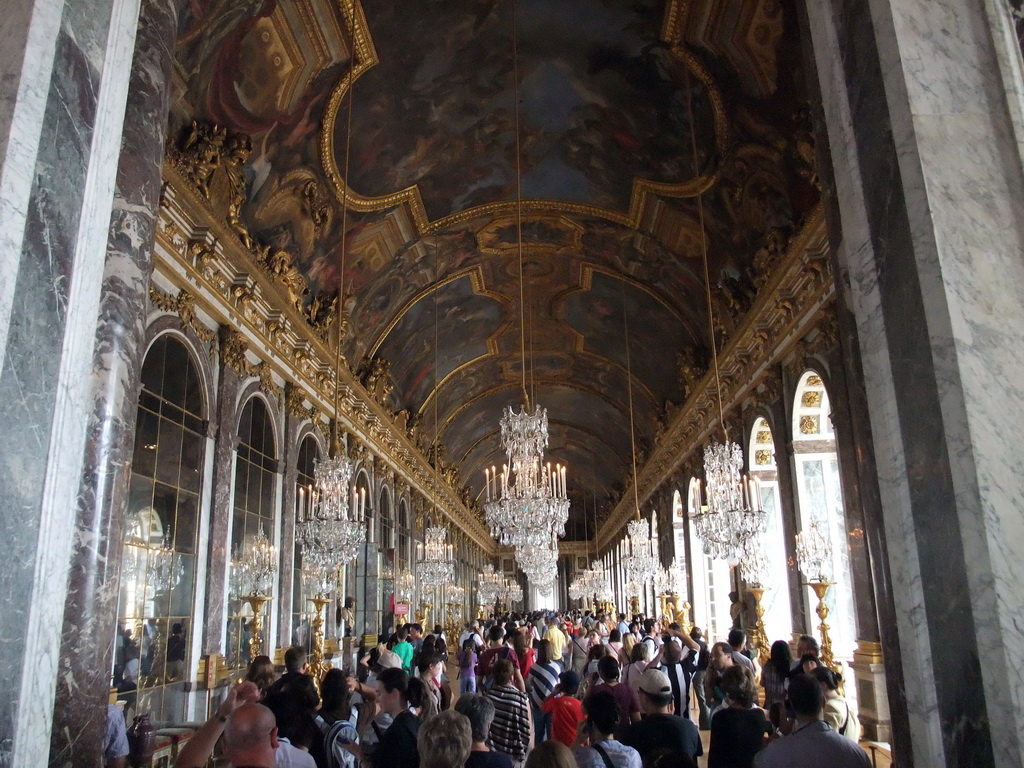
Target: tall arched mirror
<point>254,512</point>
<point>153,656</point>
<point>303,587</point>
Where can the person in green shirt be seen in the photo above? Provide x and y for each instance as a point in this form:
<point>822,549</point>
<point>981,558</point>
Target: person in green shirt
<point>404,648</point>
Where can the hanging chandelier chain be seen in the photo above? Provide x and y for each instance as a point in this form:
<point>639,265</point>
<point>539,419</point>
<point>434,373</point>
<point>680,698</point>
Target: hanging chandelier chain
<point>629,391</point>
<point>704,260</point>
<point>519,193</point>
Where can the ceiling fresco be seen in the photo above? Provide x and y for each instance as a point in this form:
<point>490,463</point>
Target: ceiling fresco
<point>602,102</point>
<point>649,130</point>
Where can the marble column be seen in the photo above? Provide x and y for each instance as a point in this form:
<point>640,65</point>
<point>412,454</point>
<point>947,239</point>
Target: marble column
<point>290,455</point>
<point>225,444</point>
<point>922,102</point>
<point>90,608</point>
<point>863,511</point>
<point>64,71</point>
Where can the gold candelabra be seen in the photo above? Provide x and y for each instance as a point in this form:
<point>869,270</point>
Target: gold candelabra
<point>759,636</point>
<point>634,605</point>
<point>317,666</point>
<point>423,614</point>
<point>256,602</point>
<point>821,589</point>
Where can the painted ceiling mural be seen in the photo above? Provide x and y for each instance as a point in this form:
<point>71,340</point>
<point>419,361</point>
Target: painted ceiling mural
<point>602,101</point>
<point>648,129</point>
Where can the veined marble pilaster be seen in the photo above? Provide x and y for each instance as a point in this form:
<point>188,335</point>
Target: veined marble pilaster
<point>90,611</point>
<point>929,182</point>
<point>290,455</point>
<point>226,440</point>
<point>53,247</point>
<point>28,39</point>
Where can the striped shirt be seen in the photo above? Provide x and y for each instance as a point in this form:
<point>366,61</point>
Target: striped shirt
<point>543,679</point>
<point>679,678</point>
<point>510,731</point>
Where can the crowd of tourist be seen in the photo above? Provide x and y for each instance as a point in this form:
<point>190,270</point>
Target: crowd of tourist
<point>548,690</point>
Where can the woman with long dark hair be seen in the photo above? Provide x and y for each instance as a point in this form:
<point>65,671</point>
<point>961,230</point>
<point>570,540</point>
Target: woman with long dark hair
<point>774,679</point>
<point>336,721</point>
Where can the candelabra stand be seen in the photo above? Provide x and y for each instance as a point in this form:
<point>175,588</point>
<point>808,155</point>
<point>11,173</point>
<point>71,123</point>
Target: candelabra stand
<point>634,605</point>
<point>453,625</point>
<point>683,617</point>
<point>317,667</point>
<point>256,602</point>
<point>423,614</point>
<point>663,606</point>
<point>821,589</point>
<point>759,636</point>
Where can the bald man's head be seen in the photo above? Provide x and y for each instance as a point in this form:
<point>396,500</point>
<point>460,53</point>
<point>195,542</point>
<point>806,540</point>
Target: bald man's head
<point>250,736</point>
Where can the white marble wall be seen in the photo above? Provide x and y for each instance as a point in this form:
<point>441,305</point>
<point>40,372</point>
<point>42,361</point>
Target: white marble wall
<point>53,264</point>
<point>957,182</point>
<point>28,38</point>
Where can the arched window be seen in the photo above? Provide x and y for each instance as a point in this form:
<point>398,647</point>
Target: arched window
<point>820,500</point>
<point>254,510</point>
<point>778,619</point>
<point>387,522</point>
<point>404,536</point>
<point>161,530</point>
<point>302,589</point>
<point>711,584</point>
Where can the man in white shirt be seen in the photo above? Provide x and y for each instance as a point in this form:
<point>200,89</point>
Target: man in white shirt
<point>812,742</point>
<point>472,630</point>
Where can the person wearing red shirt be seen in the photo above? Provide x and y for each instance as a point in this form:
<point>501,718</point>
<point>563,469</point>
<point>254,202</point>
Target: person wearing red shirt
<point>565,709</point>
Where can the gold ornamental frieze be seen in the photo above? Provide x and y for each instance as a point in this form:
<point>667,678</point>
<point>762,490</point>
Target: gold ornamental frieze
<point>237,287</point>
<point>793,301</point>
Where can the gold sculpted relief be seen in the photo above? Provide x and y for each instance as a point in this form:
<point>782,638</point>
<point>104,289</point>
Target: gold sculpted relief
<point>184,306</point>
<point>810,399</point>
<point>809,425</point>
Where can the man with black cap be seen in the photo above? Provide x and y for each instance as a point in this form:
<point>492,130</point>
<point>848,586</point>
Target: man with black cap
<point>660,731</point>
<point>813,741</point>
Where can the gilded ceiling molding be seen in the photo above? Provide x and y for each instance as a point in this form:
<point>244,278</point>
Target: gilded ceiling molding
<point>787,307</point>
<point>199,253</point>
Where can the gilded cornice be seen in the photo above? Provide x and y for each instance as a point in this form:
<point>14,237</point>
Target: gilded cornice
<point>786,309</point>
<point>202,255</point>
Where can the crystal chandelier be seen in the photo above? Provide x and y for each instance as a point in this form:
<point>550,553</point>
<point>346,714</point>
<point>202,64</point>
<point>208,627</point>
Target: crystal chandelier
<point>254,567</point>
<point>732,515</point>
<point>641,564</point>
<point>577,588</point>
<point>814,553</point>
<point>527,500</point>
<point>595,581</point>
<point>671,580</point>
<point>403,586</point>
<point>754,565</point>
<point>159,566</point>
<point>540,565</point>
<point>489,585</point>
<point>331,527</point>
<point>511,593</point>
<point>435,566</point>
